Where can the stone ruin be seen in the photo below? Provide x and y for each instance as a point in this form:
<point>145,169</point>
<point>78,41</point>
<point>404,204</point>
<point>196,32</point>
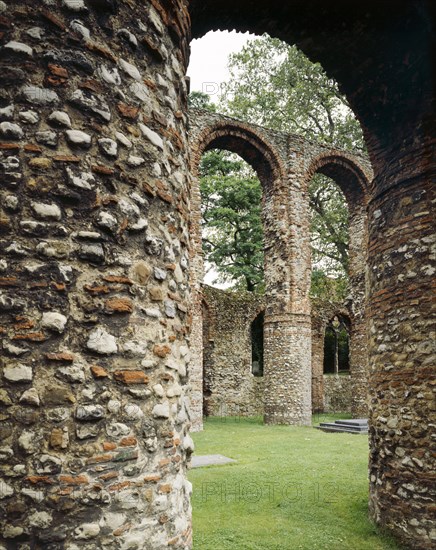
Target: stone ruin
<point>231,384</point>
<point>285,165</point>
<point>99,264</point>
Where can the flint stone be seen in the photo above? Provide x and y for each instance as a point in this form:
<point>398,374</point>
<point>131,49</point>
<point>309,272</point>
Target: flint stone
<point>7,303</point>
<point>72,373</point>
<point>47,137</point>
<point>160,274</point>
<point>77,137</point>
<point>153,245</point>
<point>47,464</point>
<point>102,342</point>
<point>5,490</point>
<point>130,69</point>
<point>131,38</point>
<point>18,373</point>
<point>19,47</point>
<point>108,146</point>
<point>135,161</point>
<point>75,5</point>
<point>60,118</point>
<point>117,429</point>
<point>161,410</point>
<point>37,496</point>
<point>83,180</point>
<point>9,130</point>
<point>6,113</point>
<point>30,397</point>
<point>39,96</point>
<point>92,252</point>
<point>12,531</point>
<point>87,432</point>
<point>89,412</point>
<point>170,309</point>
<point>47,211</point>
<point>107,220</point>
<point>41,520</point>
<point>86,531</point>
<point>11,349</point>
<point>111,76</point>
<point>29,117</point>
<point>123,140</point>
<point>91,103</point>
<point>80,28</point>
<point>152,136</point>
<point>35,32</point>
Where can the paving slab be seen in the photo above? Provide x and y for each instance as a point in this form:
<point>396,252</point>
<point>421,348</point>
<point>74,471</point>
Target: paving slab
<point>210,460</point>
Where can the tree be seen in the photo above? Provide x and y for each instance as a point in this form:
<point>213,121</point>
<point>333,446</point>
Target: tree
<point>200,100</point>
<point>276,86</point>
<point>232,227</point>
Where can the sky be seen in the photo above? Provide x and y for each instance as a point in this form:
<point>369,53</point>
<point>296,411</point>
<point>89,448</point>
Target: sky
<point>208,65</point>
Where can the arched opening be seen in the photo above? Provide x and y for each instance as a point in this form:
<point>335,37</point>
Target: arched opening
<point>343,283</point>
<point>388,80</point>
<point>232,231</point>
<point>337,346</point>
<point>256,333</point>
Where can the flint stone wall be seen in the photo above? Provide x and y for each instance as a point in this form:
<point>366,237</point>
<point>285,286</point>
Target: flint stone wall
<point>94,275</point>
<point>229,387</point>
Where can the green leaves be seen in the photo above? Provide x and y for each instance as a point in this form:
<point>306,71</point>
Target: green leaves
<point>276,86</point>
<point>232,228</point>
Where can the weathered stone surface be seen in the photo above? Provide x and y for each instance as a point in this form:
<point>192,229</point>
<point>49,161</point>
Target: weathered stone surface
<point>102,342</point>
<point>60,118</point>
<point>79,138</point>
<point>66,57</point>
<point>18,373</point>
<point>54,321</point>
<point>161,410</point>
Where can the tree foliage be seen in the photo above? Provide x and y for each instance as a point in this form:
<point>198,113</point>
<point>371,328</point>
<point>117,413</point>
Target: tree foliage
<point>232,227</point>
<point>276,86</point>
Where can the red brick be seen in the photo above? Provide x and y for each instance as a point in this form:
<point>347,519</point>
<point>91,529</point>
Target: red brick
<point>131,377</point>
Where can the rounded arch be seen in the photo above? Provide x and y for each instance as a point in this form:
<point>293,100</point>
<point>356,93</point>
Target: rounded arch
<point>237,137</point>
<point>351,175</point>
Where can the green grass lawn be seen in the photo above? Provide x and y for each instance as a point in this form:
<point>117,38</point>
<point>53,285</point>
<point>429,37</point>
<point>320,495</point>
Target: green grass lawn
<point>291,488</point>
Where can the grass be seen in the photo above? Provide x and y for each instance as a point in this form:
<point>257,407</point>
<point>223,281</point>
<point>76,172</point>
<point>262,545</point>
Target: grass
<point>292,488</point>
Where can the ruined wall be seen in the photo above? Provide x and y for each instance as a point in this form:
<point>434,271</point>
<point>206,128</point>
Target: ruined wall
<point>285,164</point>
<point>103,464</point>
<point>338,393</point>
<point>230,388</point>
<point>381,55</point>
<point>95,295</point>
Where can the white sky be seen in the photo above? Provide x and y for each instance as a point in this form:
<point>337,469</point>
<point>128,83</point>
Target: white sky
<point>208,65</point>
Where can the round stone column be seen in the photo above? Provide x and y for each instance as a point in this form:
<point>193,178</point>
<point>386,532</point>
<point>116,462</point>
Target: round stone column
<point>94,286</point>
<point>287,325</point>
<point>402,346</point>
<point>287,367</point>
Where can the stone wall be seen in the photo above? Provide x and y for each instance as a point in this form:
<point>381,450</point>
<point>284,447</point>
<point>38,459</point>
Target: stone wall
<point>230,388</point>
<point>95,294</point>
<point>338,393</point>
<point>285,165</point>
<point>95,303</point>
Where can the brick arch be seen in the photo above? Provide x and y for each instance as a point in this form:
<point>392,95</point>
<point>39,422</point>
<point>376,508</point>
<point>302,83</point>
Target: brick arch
<point>352,174</point>
<point>246,141</point>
